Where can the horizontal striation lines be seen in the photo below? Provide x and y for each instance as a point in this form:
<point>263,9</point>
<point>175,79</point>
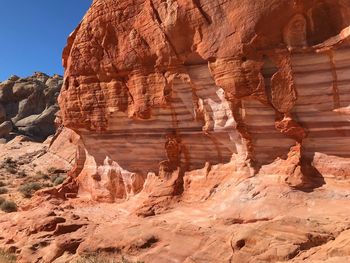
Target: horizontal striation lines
<point>323,85</point>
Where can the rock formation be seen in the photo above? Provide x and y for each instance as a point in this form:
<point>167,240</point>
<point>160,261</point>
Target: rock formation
<point>242,81</point>
<point>208,131</point>
<point>28,105</point>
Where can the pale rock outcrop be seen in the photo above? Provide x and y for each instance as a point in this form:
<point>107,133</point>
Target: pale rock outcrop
<point>5,128</point>
<point>30,104</point>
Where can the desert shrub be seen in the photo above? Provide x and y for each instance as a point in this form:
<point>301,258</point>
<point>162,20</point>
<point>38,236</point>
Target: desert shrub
<point>47,185</point>
<point>11,170</point>
<point>53,177</point>
<point>103,259</point>
<point>2,200</point>
<point>10,165</point>
<point>27,190</point>
<point>125,260</point>
<point>8,206</point>
<point>7,257</point>
<point>95,259</point>
<point>59,180</point>
<point>9,160</point>
<point>51,170</point>
<point>41,176</point>
<point>3,190</point>
<point>21,174</point>
<point>2,184</point>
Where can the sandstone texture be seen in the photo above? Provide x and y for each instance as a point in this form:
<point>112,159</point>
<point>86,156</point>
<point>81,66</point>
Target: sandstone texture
<point>28,105</point>
<point>205,131</point>
<point>157,86</point>
<point>30,165</point>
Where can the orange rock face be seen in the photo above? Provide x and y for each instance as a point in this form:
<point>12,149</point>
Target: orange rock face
<point>214,81</point>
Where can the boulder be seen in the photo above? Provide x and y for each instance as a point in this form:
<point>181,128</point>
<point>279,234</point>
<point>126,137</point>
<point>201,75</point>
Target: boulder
<point>6,94</point>
<point>5,129</point>
<point>39,123</point>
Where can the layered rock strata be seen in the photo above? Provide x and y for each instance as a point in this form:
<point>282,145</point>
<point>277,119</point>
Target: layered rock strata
<point>157,85</point>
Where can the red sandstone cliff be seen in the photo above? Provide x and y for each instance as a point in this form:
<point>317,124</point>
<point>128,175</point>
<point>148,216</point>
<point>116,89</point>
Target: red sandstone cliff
<point>210,131</point>
<point>242,81</point>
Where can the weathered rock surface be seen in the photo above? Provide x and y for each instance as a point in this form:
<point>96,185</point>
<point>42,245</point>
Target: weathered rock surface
<point>162,86</point>
<point>25,162</point>
<point>30,104</point>
<point>255,219</point>
<point>209,131</point>
<point>5,128</point>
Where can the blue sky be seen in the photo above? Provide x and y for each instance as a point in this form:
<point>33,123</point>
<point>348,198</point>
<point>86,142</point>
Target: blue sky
<point>33,34</point>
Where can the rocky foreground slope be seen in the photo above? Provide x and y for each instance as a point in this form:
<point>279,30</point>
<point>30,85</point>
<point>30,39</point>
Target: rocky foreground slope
<point>209,131</point>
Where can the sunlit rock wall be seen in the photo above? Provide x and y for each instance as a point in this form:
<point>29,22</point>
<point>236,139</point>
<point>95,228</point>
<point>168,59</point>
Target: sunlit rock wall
<point>157,87</point>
